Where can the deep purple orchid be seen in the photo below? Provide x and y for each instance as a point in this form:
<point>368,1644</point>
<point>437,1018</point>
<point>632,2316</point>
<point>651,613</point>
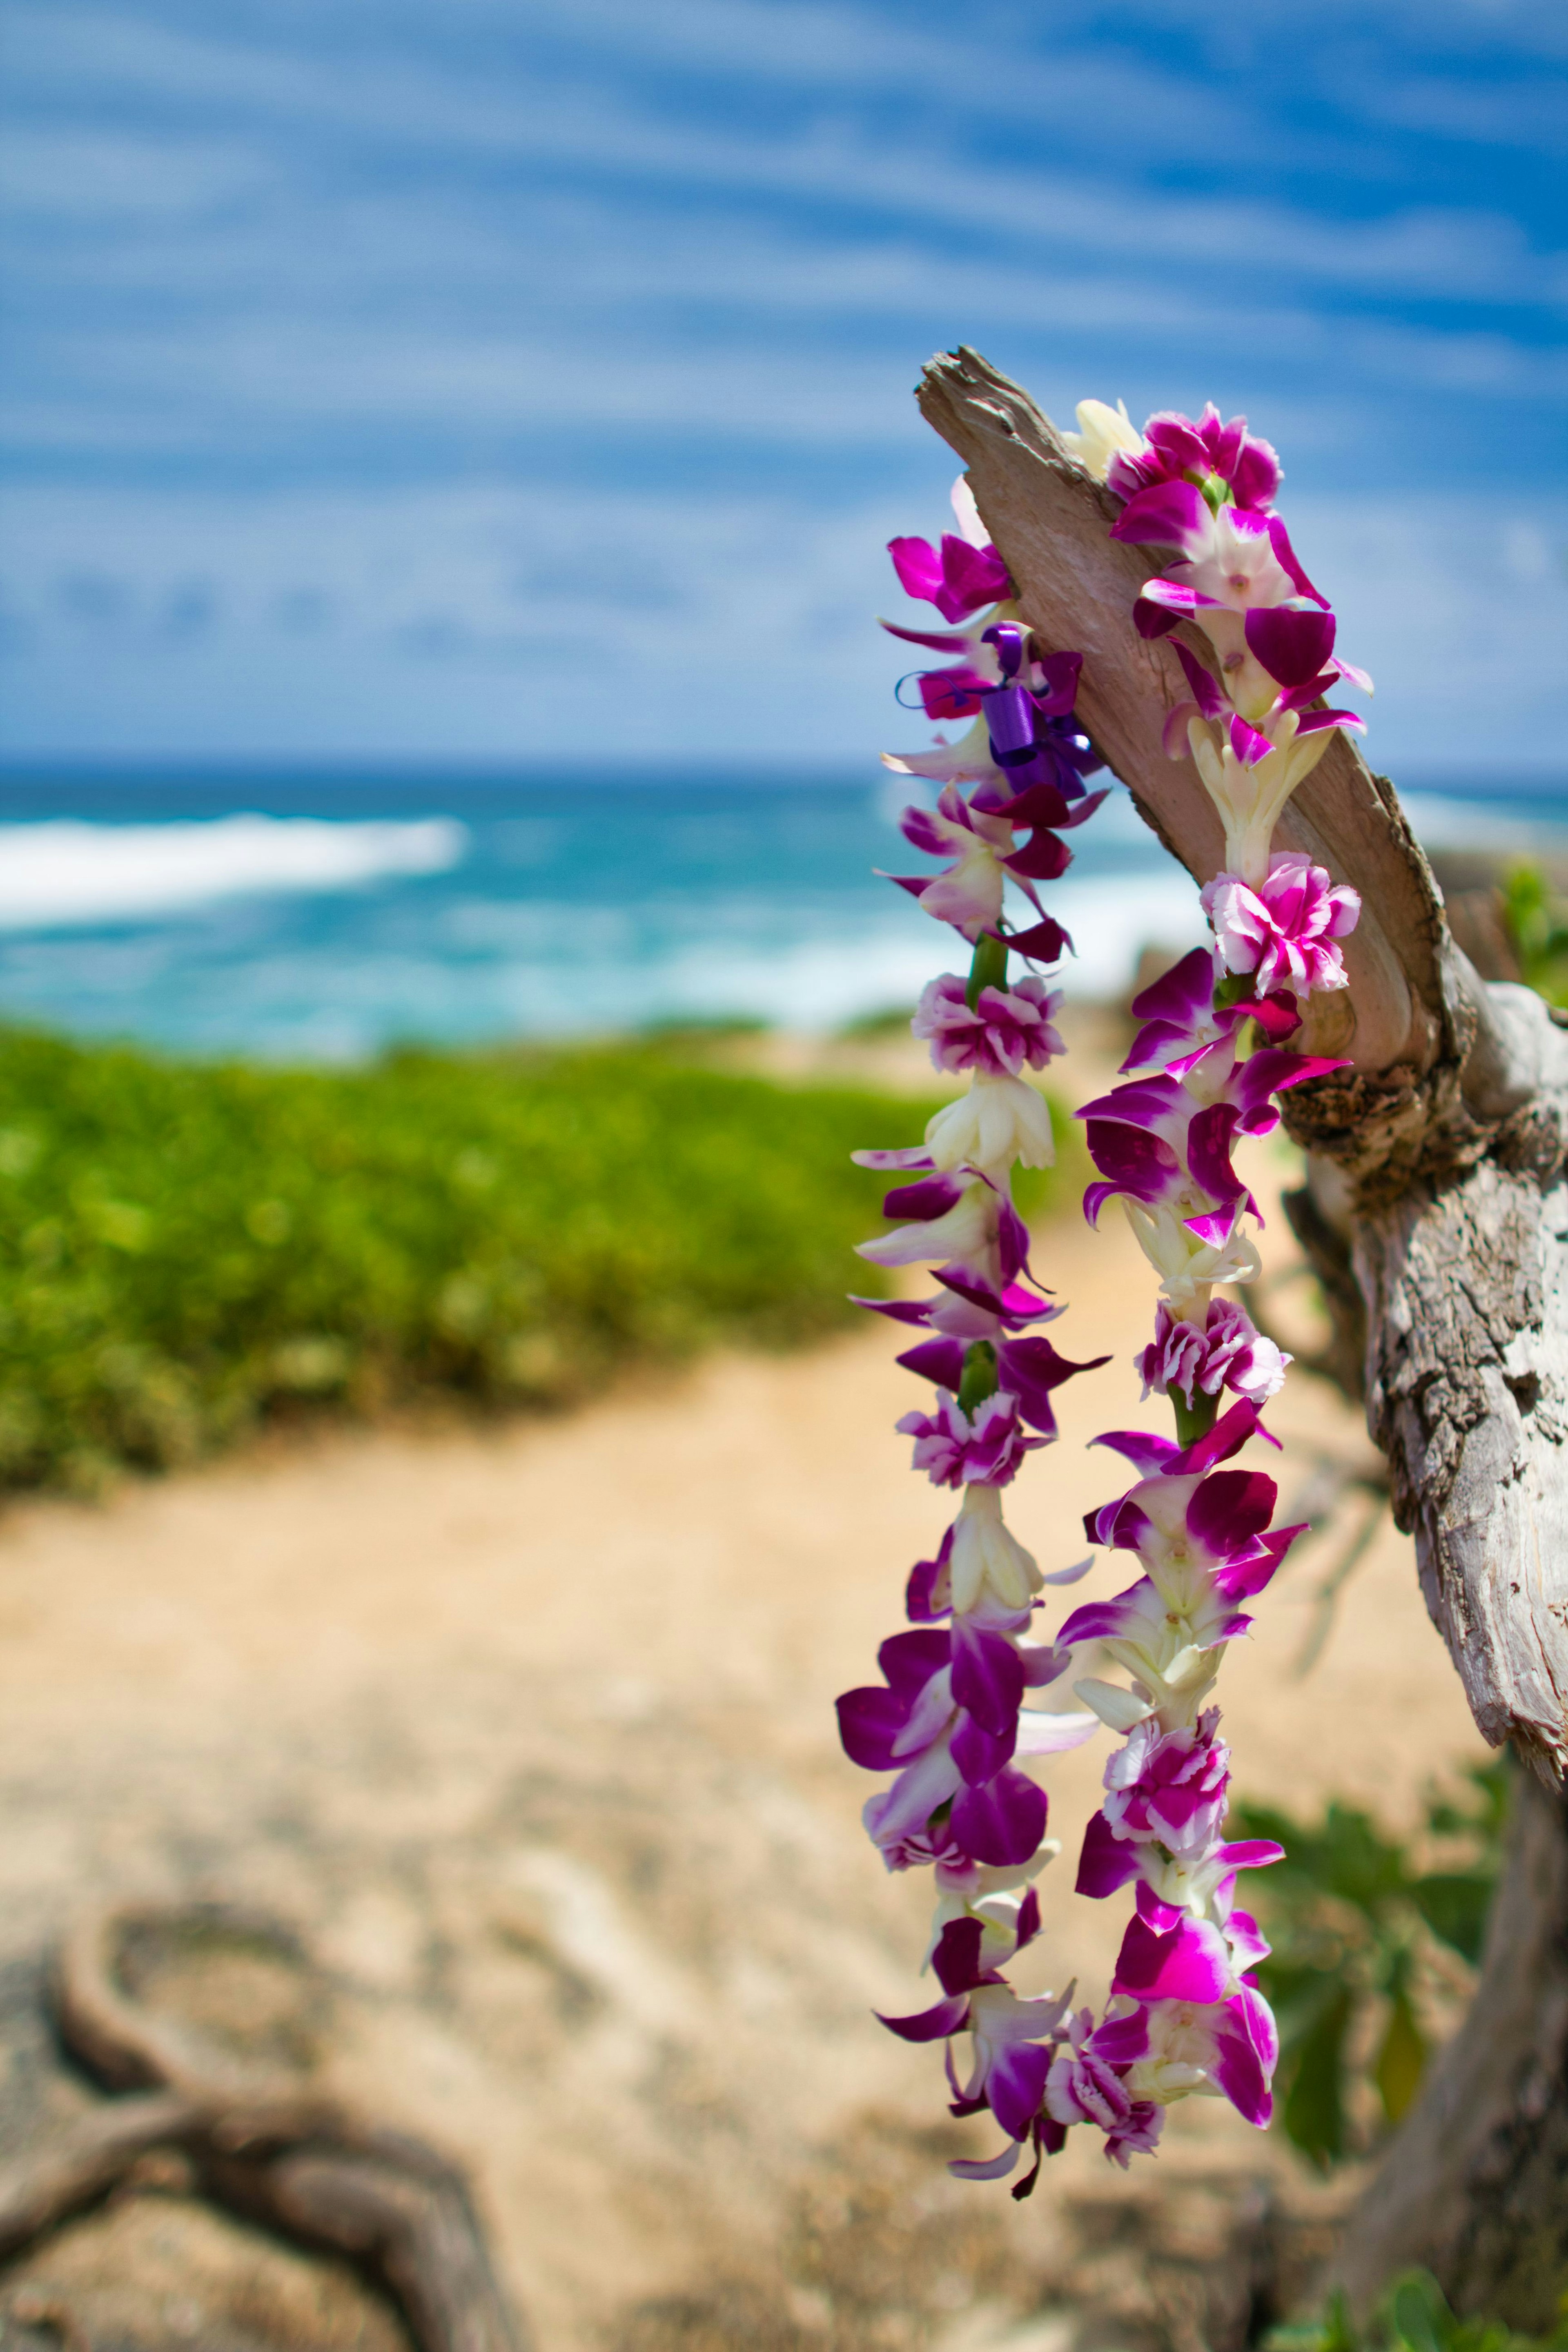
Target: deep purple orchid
<point>1012,2041</point>
<point>1163,1145</point>
<point>1172,2048</point>
<point>950,1723</point>
<point>1028,1367</point>
<point>1179,1020</point>
<point>1203,1536</point>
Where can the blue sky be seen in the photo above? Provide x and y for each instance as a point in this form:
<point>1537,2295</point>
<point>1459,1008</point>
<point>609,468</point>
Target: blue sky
<point>508,379</point>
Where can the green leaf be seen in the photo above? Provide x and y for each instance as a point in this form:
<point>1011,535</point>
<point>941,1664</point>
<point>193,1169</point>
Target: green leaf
<point>1334,2332</point>
<point>1455,1905</point>
<point>1313,2115</point>
<point>1402,2059</point>
<point>1419,2310</point>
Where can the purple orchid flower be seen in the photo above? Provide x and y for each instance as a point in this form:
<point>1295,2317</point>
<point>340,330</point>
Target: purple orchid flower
<point>965,1311</point>
<point>1084,2085</point>
<point>1192,1519</point>
<point>1175,449</point>
<point>1170,2047</point>
<point>1013,2041</point>
<point>962,1220</point>
<point>1180,1022</point>
<point>979,840</point>
<point>956,578</point>
<point>1229,560</point>
<point>949,1722</point>
<point>1165,1141</point>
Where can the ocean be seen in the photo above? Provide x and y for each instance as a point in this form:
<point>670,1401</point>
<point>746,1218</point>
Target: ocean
<point>326,917</point>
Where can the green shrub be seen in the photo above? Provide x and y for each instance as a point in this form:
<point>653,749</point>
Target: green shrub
<point>1414,2316</point>
<point>184,1248</point>
<point>1355,1925</point>
<point>1536,921</point>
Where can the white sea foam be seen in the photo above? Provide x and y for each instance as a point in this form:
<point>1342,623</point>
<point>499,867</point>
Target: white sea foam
<point>822,982</point>
<point>66,874</point>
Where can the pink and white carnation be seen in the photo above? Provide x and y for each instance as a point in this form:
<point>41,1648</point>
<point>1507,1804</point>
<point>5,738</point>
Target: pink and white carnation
<point>1224,1351</point>
<point>1005,1030</point>
<point>1169,1786</point>
<point>955,1448</point>
<point>1285,930</point>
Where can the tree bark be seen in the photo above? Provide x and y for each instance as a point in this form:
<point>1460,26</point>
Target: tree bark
<point>1434,1203</point>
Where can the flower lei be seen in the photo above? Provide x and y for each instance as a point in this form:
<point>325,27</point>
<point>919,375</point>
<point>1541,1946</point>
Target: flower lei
<point>949,1719</point>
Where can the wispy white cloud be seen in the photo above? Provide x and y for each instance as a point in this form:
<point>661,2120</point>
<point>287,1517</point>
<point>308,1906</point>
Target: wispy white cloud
<point>571,120</point>
<point>428,250</point>
<point>477,619</point>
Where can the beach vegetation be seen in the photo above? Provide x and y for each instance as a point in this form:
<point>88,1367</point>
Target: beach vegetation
<point>1375,1938</point>
<point>1412,2316</point>
<point>1535,917</point>
<point>188,1250</point>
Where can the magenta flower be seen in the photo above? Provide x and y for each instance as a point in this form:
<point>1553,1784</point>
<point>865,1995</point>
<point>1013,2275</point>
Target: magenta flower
<point>1003,1032</point>
<point>1191,1527</point>
<point>1085,2086</point>
<point>1223,1352</point>
<point>1028,1368</point>
<point>949,1722</point>
<point>1172,2047</point>
<point>1168,1785</point>
<point>1179,1021</point>
<point>1175,449</point>
<point>1284,931</point>
<point>954,577</point>
<point>1165,1142</point>
<point>979,840</point>
<point>1229,562</point>
<point>985,1448</point>
<point>1012,2039</point>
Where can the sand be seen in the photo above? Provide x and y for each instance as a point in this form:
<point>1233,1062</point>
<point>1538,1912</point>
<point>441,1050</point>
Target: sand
<point>530,1728</point>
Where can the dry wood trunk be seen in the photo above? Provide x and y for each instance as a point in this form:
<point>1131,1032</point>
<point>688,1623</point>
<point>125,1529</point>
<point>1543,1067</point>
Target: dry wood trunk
<point>1437,1212</point>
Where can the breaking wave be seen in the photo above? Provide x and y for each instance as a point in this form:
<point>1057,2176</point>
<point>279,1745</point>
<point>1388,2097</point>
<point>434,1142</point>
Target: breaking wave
<point>66,874</point>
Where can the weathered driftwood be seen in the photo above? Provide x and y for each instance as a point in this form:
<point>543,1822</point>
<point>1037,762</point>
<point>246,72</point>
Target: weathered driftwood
<point>1437,1212</point>
<point>1435,1161</point>
<point>301,2165</point>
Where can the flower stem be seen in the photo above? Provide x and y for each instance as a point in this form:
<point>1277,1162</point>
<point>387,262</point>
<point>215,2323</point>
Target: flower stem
<point>1195,1420</point>
<point>980,1380</point>
<point>988,969</point>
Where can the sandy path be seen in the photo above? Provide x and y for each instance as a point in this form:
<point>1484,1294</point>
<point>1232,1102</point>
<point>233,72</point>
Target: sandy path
<point>532,1729</point>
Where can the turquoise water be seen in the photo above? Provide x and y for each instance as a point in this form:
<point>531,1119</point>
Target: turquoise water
<point>324,916</point>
